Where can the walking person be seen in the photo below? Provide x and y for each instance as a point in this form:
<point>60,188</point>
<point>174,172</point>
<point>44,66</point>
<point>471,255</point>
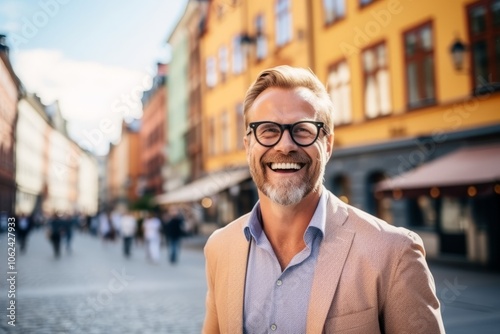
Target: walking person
<point>55,232</point>
<point>106,230</point>
<point>24,225</point>
<point>152,236</point>
<point>69,222</point>
<point>303,261</point>
<point>128,228</point>
<point>174,230</point>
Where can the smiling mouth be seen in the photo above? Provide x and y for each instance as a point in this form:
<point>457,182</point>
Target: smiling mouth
<point>285,166</point>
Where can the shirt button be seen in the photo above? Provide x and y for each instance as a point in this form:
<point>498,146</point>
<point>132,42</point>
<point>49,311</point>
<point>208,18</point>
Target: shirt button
<point>273,327</point>
<point>279,282</point>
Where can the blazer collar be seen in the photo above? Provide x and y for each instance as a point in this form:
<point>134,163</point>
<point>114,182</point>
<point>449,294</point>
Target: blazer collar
<point>237,266</point>
<point>332,256</point>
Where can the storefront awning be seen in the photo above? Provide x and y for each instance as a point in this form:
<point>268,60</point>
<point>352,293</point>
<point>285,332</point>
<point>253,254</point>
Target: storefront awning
<point>204,187</point>
<point>467,171</point>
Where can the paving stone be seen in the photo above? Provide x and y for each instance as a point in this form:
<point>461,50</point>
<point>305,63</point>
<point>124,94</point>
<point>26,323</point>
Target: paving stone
<point>96,290</point>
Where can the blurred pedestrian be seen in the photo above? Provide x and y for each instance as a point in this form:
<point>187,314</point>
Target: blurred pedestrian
<point>128,228</point>
<point>55,232</point>
<point>106,230</point>
<point>24,225</point>
<point>69,223</point>
<point>174,230</point>
<point>152,228</point>
<point>115,217</point>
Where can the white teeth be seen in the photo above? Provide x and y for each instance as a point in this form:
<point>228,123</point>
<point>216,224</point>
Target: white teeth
<point>289,165</point>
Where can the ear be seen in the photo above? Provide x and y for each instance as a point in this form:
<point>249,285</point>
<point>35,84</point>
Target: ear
<point>329,144</point>
<point>246,143</point>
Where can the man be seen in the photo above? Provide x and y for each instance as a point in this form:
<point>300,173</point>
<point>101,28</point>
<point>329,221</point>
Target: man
<point>152,227</point>
<point>174,231</point>
<point>128,228</point>
<point>56,230</point>
<point>302,261</point>
<point>23,229</point>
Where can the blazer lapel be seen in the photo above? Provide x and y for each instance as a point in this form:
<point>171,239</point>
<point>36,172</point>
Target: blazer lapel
<point>332,256</point>
<point>237,266</point>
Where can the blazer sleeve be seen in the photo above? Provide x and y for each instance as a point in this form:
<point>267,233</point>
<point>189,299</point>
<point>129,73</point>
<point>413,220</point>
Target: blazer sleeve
<point>211,322</point>
<point>411,304</point>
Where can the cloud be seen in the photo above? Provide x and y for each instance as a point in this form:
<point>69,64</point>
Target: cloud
<point>89,93</point>
<point>10,12</point>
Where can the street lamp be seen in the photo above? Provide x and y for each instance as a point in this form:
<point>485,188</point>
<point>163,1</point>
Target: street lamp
<point>247,43</point>
<point>457,50</point>
<point>247,40</point>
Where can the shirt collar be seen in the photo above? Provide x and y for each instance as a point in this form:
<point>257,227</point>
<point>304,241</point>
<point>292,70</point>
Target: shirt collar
<point>253,226</point>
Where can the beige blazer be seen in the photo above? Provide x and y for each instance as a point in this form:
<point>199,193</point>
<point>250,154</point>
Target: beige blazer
<point>370,277</point>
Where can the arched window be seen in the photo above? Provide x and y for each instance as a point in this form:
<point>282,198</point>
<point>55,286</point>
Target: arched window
<point>378,205</point>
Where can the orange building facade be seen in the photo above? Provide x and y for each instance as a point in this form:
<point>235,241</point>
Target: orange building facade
<point>152,134</point>
<point>10,87</point>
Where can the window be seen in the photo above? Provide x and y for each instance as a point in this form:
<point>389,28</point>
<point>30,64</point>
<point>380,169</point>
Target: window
<point>261,43</point>
<point>484,32</point>
<point>377,82</point>
<point>378,205</point>
<point>419,63</point>
<point>283,22</point>
<point>240,126</point>
<point>339,87</point>
<point>334,10</point>
<point>239,61</point>
<point>223,63</point>
<point>453,215</point>
<point>225,129</point>
<point>423,212</point>
<point>211,135</point>
<point>211,72</point>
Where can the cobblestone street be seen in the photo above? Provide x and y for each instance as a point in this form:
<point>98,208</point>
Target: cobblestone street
<point>96,290</point>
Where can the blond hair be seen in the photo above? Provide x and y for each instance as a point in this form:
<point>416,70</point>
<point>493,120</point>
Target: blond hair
<point>288,77</point>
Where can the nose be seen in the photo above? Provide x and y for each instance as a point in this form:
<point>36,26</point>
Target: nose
<point>286,143</point>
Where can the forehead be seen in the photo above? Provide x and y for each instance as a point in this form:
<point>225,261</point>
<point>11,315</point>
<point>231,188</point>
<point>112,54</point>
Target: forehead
<point>281,104</point>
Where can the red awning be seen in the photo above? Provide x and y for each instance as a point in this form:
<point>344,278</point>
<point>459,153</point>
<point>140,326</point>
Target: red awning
<point>453,174</point>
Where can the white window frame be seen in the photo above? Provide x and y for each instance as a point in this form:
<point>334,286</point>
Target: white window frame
<point>261,42</point>
<point>223,62</point>
<point>211,72</point>
<point>283,22</point>
<point>377,85</point>
<point>334,10</point>
<point>339,88</point>
<point>239,59</point>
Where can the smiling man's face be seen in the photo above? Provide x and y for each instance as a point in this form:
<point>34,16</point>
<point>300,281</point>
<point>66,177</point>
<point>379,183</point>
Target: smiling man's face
<point>286,172</point>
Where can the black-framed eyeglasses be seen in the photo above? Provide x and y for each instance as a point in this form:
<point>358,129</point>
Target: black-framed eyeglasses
<point>303,133</point>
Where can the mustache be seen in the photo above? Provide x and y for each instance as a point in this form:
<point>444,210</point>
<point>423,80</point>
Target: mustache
<point>285,158</point>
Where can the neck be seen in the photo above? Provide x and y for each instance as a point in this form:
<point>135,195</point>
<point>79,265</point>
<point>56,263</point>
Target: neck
<point>285,225</point>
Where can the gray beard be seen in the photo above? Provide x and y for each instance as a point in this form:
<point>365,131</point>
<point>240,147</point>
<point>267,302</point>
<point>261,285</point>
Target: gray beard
<point>285,194</point>
<point>289,191</point>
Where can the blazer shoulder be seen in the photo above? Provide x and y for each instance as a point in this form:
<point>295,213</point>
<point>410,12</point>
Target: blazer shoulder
<point>229,233</point>
<point>371,228</point>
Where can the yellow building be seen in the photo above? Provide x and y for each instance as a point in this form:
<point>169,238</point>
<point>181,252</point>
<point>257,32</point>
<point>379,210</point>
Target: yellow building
<point>415,85</point>
<point>403,104</point>
<point>240,39</point>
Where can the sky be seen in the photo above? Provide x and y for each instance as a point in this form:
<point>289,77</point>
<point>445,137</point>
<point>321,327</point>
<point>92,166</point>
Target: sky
<point>94,57</point>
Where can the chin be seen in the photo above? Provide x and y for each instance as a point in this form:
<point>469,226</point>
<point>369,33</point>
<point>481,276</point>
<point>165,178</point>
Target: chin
<point>285,196</point>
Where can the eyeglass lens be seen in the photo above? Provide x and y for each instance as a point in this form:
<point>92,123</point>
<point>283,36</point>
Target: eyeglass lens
<point>303,133</point>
